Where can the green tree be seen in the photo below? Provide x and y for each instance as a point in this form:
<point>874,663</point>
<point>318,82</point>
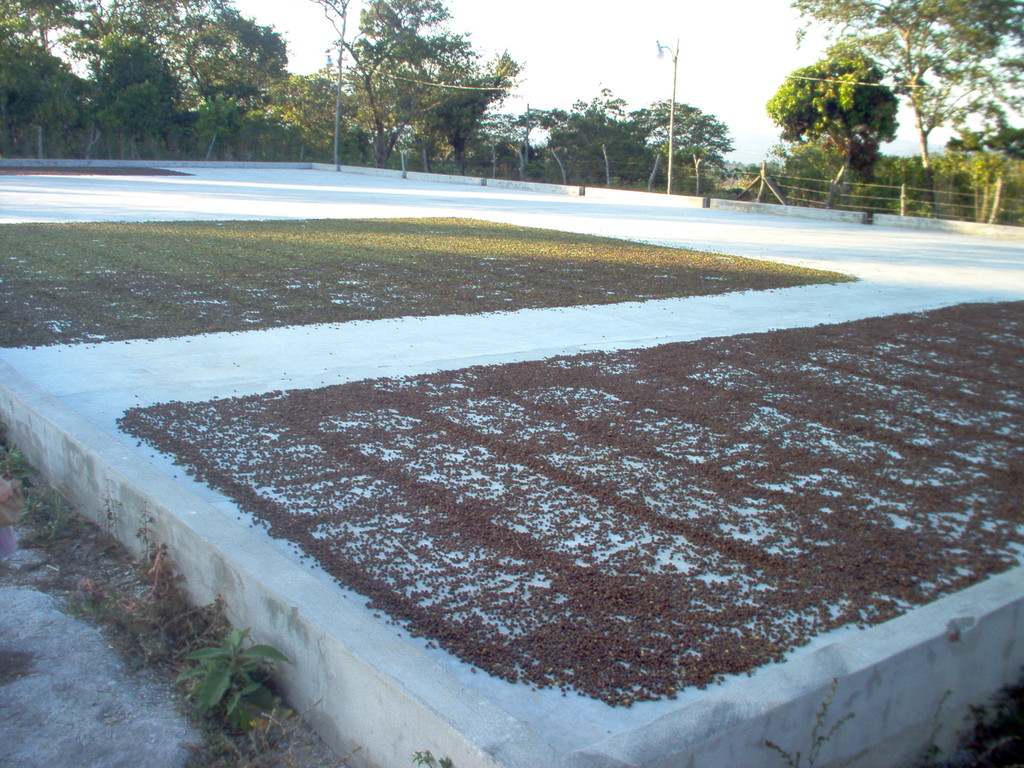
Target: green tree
<point>950,59</point>
<point>701,140</point>
<point>233,57</point>
<point>595,137</point>
<point>43,22</point>
<point>136,91</point>
<point>39,94</point>
<point>398,57</point>
<point>840,102</point>
<point>1001,137</point>
<point>458,108</point>
<point>501,144</point>
<point>303,105</point>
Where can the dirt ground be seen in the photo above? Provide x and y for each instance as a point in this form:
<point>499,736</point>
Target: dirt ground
<point>626,525</point>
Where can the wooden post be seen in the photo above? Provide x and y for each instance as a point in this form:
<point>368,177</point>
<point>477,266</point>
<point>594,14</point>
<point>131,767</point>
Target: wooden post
<point>775,190</point>
<point>903,199</point>
<point>749,187</point>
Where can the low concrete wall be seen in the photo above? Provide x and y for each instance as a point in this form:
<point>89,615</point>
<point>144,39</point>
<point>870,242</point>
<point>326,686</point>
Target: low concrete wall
<point>647,198</point>
<point>795,211</point>
<point>444,178</point>
<point>374,690</point>
<point>941,225</point>
<point>906,683</point>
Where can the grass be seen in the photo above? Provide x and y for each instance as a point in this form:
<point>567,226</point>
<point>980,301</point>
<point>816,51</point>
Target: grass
<point>67,283</point>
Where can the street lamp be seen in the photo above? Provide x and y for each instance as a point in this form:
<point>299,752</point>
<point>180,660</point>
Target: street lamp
<point>337,103</point>
<point>671,107</point>
<point>333,11</point>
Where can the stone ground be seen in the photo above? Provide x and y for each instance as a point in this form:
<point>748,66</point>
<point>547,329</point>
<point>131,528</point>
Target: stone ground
<point>66,698</point>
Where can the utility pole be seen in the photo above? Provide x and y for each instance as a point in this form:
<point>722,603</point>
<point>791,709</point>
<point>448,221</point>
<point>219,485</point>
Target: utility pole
<point>335,11</point>
<point>671,107</point>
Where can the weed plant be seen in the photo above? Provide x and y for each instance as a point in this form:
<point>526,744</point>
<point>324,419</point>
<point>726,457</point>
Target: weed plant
<point>232,680</point>
<point>995,738</point>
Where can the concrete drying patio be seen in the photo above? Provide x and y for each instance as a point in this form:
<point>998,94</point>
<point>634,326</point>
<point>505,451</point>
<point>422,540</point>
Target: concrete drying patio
<point>394,695</point>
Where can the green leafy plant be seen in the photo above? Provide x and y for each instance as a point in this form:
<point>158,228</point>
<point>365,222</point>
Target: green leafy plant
<point>13,463</point>
<point>426,758</point>
<point>230,679</point>
<point>50,516</point>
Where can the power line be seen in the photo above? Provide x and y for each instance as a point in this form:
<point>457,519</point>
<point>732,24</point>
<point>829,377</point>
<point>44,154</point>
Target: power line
<point>847,82</point>
<point>449,85</point>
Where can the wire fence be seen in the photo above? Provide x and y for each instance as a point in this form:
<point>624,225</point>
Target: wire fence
<point>991,202</point>
<point>955,196</point>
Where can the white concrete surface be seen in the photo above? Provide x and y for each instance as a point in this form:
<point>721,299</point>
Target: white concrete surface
<point>480,721</point>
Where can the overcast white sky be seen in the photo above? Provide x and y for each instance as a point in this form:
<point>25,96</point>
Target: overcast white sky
<point>733,54</point>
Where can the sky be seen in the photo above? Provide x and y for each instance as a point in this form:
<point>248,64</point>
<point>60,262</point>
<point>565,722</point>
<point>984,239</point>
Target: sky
<point>733,54</point>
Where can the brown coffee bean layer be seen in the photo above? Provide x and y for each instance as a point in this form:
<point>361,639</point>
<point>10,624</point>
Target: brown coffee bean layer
<point>626,525</point>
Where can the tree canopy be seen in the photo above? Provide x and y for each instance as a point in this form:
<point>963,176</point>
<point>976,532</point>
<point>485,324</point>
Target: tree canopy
<point>950,59</point>
<point>198,79</point>
<point>841,102</point>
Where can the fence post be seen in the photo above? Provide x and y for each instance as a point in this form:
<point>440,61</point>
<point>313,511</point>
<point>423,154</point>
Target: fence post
<point>903,199</point>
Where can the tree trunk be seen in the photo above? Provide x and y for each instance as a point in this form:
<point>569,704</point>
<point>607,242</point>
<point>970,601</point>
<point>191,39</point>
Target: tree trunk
<point>565,179</point>
<point>380,150</point>
<point>426,160</point>
<point>607,167</point>
<point>654,172</point>
<point>926,162</point>
<point>39,142</point>
<point>209,150</point>
<point>94,136</point>
<point>997,201</point>
<point>5,138</point>
<point>696,169</point>
<point>834,186</point>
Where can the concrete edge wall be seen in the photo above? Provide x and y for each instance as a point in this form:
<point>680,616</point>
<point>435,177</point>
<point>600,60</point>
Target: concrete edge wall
<point>364,686</point>
<point>648,198</point>
<point>942,225</point>
<point>817,214</point>
<point>443,178</point>
<point>907,686</point>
